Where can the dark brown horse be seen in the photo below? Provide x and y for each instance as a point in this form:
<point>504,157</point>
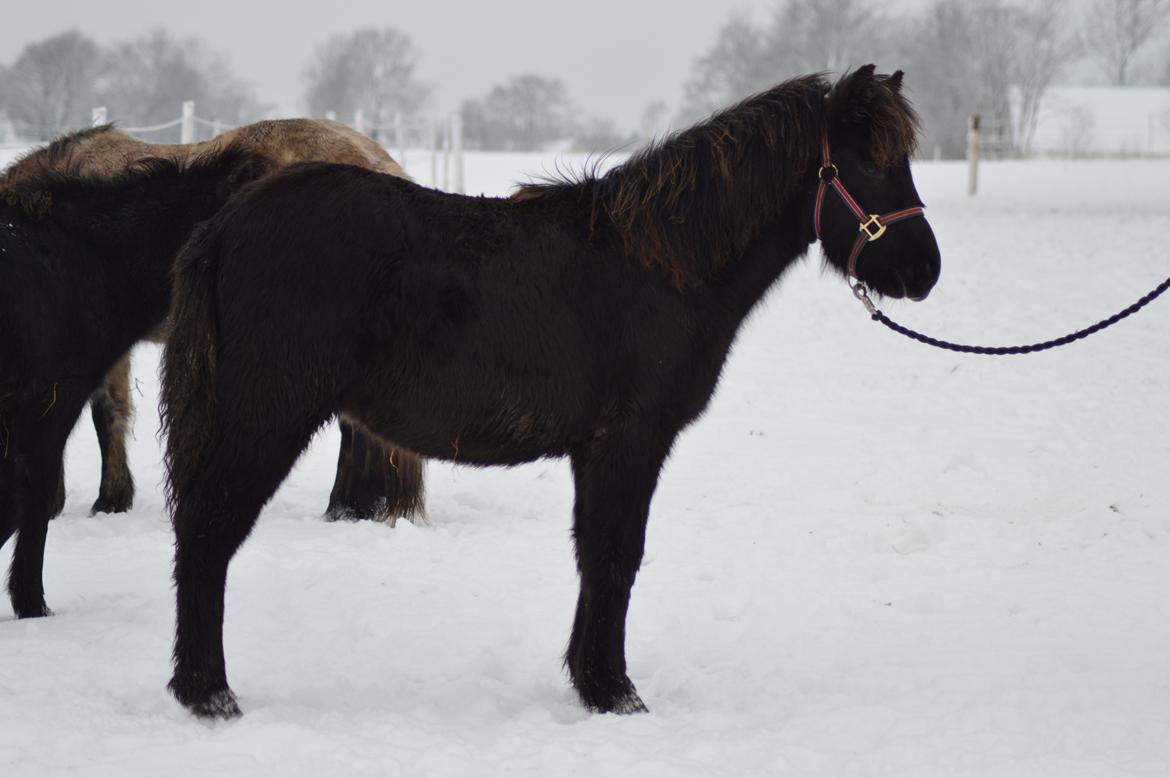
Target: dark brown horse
<point>587,319</point>
<point>84,274</point>
<point>372,481</point>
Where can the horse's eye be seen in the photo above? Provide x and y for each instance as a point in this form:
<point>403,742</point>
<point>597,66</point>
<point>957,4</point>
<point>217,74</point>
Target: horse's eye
<point>870,169</point>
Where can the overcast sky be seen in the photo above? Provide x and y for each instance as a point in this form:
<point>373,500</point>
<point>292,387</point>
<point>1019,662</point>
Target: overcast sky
<point>615,56</point>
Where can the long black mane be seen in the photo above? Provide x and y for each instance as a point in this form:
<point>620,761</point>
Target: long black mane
<point>695,200</point>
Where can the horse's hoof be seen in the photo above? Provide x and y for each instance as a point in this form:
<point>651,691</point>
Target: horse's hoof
<point>221,705</point>
<point>375,511</point>
<point>622,702</point>
<point>217,705</point>
<point>32,612</point>
<point>627,704</point>
<point>341,514</point>
<point>116,504</point>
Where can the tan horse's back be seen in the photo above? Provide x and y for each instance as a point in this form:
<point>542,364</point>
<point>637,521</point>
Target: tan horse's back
<point>297,140</point>
<point>109,151</point>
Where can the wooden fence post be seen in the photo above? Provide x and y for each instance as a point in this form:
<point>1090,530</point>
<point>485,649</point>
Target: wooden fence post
<point>187,126</point>
<point>974,136</point>
<point>457,144</point>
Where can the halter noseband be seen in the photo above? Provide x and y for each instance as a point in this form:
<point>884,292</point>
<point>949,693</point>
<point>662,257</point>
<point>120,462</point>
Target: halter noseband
<point>872,226</point>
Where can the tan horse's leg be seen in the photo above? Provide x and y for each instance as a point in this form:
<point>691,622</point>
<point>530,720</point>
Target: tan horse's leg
<point>374,479</point>
<point>113,412</point>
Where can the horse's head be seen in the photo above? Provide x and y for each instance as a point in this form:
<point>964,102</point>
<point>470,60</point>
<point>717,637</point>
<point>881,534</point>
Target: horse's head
<point>868,213</point>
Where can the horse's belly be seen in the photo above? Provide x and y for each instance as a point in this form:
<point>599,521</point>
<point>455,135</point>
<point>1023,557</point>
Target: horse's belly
<point>480,435</point>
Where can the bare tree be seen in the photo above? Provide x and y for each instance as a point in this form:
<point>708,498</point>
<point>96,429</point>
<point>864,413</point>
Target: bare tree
<point>808,36</point>
<point>805,36</point>
<point>49,88</point>
<point>371,69</point>
<point>941,77</point>
<point>149,76</point>
<point>1115,32</point>
<point>602,136</point>
<point>1051,45</point>
<point>992,57</point>
<point>526,113</point>
<point>733,68</point>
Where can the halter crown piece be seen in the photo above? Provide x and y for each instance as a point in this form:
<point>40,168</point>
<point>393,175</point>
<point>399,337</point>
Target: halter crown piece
<point>872,226</point>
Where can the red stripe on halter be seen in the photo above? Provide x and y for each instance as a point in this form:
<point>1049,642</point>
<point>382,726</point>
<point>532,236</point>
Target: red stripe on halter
<point>898,216</point>
<point>849,201</point>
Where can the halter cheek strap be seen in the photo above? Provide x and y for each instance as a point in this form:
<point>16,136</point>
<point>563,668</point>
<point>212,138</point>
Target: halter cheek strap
<point>872,226</point>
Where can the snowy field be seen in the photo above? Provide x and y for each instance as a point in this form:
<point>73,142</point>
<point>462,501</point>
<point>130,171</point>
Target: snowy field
<point>870,558</point>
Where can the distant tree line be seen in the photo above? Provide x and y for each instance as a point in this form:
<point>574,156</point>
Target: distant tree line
<point>529,111</point>
<point>962,56</point>
<point>54,83</point>
<point>993,57</point>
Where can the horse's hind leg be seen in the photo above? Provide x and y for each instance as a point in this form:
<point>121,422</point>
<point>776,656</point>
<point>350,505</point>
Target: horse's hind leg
<point>213,514</point>
<point>374,480</point>
<point>615,480</point>
<point>113,411</point>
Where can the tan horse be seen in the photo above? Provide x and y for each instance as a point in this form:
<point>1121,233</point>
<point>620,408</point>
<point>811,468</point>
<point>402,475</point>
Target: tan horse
<point>372,481</point>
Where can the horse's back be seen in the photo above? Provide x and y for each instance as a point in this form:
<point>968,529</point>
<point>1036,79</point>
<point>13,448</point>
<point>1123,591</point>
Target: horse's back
<point>103,153</point>
<point>107,152</point>
<point>289,141</point>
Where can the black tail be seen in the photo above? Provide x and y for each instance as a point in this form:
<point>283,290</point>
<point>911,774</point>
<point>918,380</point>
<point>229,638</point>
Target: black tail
<point>188,399</point>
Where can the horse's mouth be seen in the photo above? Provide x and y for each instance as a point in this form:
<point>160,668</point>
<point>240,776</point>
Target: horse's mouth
<point>897,288</point>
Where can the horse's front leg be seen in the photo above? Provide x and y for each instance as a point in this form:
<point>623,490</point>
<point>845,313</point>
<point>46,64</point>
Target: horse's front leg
<point>614,478</point>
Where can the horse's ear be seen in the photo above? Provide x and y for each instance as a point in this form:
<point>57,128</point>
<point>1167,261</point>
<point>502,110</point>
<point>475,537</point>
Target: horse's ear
<point>850,97</point>
<point>894,82</point>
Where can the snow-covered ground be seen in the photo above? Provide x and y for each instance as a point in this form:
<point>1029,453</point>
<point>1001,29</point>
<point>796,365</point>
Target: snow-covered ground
<point>870,558</point>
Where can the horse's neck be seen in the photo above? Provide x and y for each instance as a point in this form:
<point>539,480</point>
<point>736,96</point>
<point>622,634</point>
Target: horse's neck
<point>744,281</point>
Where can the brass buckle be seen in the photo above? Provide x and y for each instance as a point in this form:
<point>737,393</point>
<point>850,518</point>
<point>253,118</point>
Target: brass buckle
<point>831,166</point>
<point>873,228</point>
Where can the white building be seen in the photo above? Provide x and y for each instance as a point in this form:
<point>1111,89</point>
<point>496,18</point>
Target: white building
<point>1101,121</point>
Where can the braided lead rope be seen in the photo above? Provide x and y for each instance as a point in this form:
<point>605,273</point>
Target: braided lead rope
<point>862,293</point>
